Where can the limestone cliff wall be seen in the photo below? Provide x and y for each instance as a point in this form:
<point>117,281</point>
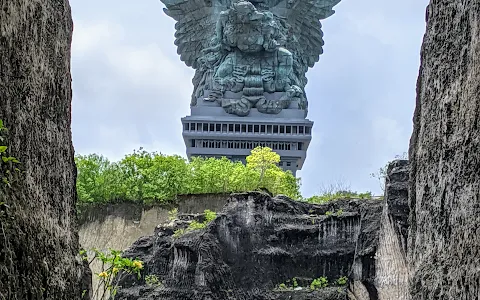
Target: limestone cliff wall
<point>38,233</point>
<point>391,270</point>
<point>444,239</point>
<point>255,244</point>
<point>258,242</point>
<point>118,226</point>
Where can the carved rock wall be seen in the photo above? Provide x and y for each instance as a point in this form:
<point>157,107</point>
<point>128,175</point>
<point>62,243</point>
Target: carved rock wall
<point>258,242</point>
<point>117,226</point>
<point>254,245</point>
<point>444,239</point>
<point>38,233</point>
<point>391,276</point>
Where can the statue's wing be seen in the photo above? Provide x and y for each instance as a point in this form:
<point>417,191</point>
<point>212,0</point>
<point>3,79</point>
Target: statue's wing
<point>306,36</point>
<point>195,25</point>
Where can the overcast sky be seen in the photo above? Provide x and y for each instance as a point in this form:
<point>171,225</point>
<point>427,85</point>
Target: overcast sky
<point>130,89</point>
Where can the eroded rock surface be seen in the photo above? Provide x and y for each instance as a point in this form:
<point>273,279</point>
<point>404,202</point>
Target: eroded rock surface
<point>391,270</point>
<point>258,242</point>
<point>444,239</point>
<point>38,234</point>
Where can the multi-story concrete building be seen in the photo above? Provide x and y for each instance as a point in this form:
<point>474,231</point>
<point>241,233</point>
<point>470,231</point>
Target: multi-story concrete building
<point>210,132</point>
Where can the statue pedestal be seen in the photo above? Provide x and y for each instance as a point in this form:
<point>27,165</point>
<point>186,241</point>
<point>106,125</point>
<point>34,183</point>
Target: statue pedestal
<point>210,132</point>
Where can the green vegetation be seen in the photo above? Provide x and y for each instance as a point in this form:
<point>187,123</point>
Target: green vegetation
<point>151,177</point>
<point>295,283</point>
<point>342,280</point>
<point>7,163</point>
<point>114,269</point>
<point>330,196</point>
<point>331,213</point>
<point>152,280</point>
<point>173,214</point>
<point>316,284</point>
<point>319,283</point>
<point>195,225</point>
<point>289,285</point>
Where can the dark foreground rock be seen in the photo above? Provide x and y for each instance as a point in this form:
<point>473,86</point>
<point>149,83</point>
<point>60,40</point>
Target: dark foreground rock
<point>258,242</point>
<point>444,241</point>
<point>38,233</point>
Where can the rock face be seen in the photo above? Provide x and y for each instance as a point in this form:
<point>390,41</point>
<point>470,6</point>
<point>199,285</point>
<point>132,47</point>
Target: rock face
<point>117,226</point>
<point>391,276</point>
<point>259,242</point>
<point>444,238</point>
<point>38,241</point>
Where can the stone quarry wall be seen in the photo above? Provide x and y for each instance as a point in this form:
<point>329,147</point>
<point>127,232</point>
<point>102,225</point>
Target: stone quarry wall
<point>118,226</point>
<point>258,242</point>
<point>261,242</point>
<point>444,239</point>
<point>391,270</point>
<point>38,233</point>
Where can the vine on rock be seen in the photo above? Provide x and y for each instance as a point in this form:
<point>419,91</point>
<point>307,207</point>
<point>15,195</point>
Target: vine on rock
<point>8,170</point>
<point>7,163</point>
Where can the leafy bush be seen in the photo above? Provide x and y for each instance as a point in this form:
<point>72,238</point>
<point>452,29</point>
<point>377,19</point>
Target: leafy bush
<point>381,174</point>
<point>324,198</point>
<point>342,280</point>
<point>319,283</point>
<point>7,163</point>
<point>286,286</point>
<point>153,177</point>
<point>195,225</point>
<point>173,214</point>
<point>209,216</point>
<point>295,283</point>
<point>114,269</point>
<point>152,280</point>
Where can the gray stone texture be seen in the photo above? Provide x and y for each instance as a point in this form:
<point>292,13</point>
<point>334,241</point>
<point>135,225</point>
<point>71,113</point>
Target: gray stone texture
<point>444,238</point>
<point>119,225</point>
<point>258,242</point>
<point>38,233</point>
<point>391,270</point>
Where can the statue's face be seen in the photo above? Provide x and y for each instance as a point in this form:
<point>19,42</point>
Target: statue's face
<point>247,12</point>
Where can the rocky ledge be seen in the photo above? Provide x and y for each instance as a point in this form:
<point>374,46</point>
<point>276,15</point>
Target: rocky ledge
<point>257,243</point>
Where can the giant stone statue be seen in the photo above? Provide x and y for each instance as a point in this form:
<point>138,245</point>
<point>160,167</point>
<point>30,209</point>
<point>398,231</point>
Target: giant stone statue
<point>250,54</point>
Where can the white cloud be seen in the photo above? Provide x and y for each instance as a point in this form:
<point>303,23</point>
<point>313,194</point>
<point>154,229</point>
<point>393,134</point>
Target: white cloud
<point>88,37</point>
<point>126,95</point>
<point>389,136</point>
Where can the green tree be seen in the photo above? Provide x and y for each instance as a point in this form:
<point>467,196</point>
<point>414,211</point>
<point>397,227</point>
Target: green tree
<point>98,180</point>
<point>243,178</point>
<point>262,159</point>
<point>134,173</point>
<point>155,177</point>
<point>211,175</point>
